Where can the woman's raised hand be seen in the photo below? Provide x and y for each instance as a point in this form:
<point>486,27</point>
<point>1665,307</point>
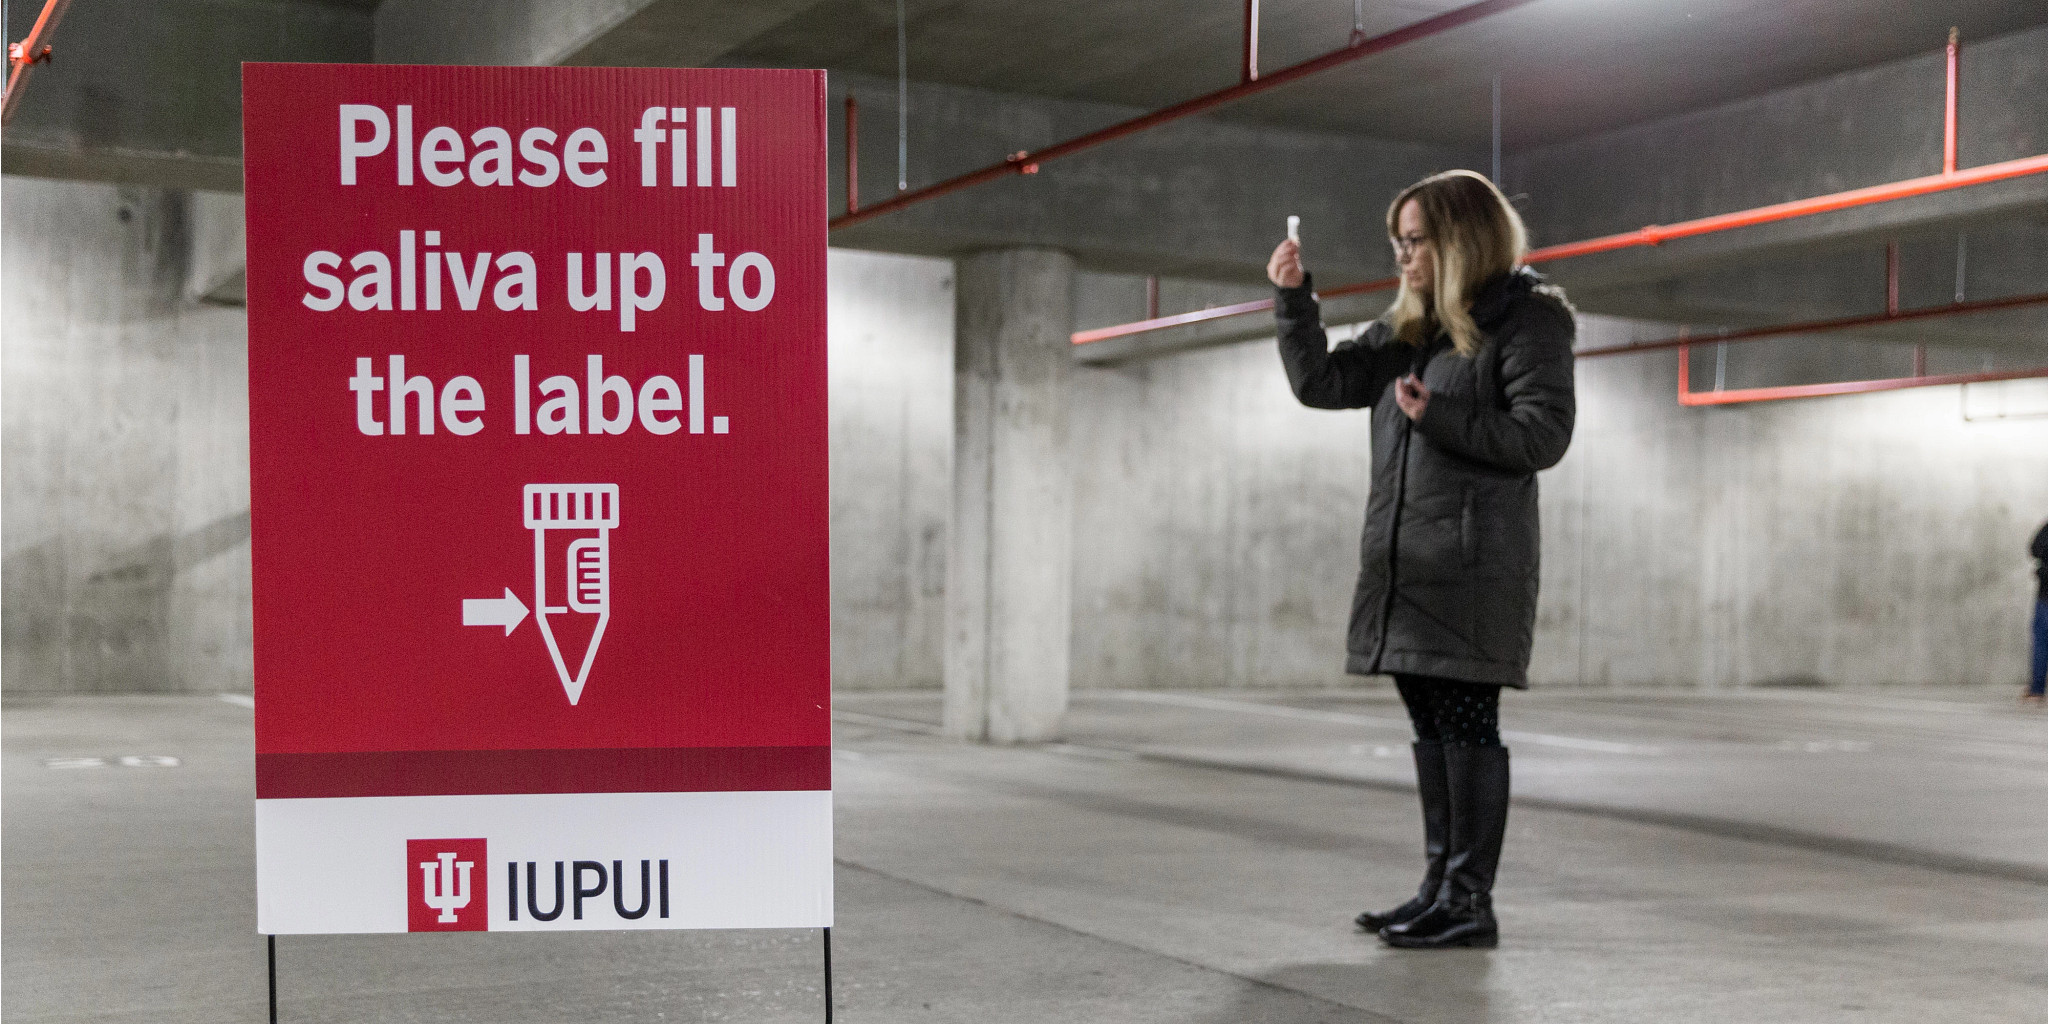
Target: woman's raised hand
<point>1284,269</point>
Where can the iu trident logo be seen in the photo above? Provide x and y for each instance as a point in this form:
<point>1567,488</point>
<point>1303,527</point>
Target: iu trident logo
<point>447,885</point>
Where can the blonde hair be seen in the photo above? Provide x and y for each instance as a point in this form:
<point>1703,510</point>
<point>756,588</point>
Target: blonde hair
<point>1474,236</point>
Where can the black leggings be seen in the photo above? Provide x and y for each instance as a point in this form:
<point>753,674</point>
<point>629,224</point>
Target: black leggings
<point>1451,712</point>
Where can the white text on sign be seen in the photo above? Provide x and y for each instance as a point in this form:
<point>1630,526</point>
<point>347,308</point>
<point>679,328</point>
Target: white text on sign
<point>444,158</point>
<point>419,272</point>
<point>698,146</point>
<point>601,404</point>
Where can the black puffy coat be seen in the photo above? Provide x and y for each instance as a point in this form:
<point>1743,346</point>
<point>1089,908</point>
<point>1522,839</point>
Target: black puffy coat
<point>1448,563</point>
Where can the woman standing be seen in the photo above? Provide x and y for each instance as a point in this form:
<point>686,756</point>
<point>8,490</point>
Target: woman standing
<point>1469,378</point>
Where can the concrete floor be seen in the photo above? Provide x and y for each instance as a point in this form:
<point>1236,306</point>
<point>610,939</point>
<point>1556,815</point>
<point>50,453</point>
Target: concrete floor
<point>1784,856</point>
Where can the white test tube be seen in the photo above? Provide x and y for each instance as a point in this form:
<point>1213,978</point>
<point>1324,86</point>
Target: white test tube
<point>587,579</point>
<point>1294,229</point>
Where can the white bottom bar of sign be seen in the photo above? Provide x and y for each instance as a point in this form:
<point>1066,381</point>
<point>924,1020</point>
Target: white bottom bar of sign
<point>713,860</point>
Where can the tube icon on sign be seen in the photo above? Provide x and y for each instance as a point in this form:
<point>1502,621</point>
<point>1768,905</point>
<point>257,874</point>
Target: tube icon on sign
<point>590,511</point>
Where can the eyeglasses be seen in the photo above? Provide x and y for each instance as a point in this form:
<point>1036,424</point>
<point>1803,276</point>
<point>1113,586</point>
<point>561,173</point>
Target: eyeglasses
<point>1406,246</point>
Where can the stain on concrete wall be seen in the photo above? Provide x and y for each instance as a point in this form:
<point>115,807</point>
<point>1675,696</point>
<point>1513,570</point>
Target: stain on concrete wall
<point>890,344</point>
<point>1863,540</point>
<point>1854,541</point>
<point>125,456</point>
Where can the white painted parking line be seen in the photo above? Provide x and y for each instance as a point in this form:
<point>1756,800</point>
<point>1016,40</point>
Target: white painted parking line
<point>150,761</point>
<point>883,722</point>
<point>1544,739</point>
<point>1827,746</point>
<point>125,761</point>
<point>1188,700</point>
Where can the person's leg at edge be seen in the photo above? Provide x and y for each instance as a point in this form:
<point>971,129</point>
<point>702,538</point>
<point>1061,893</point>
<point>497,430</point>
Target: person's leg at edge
<point>1476,774</point>
<point>1431,782</point>
<point>2039,681</point>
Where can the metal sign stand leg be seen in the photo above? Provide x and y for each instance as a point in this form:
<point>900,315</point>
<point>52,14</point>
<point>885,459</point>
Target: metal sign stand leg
<point>273,978</point>
<point>828,978</point>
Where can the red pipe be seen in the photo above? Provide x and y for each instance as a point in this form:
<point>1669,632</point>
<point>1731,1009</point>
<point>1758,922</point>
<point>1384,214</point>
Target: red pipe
<point>1685,339</point>
<point>1948,132</point>
<point>25,55</point>
<point>1251,42</point>
<point>1159,323</point>
<point>1027,162</point>
<point>1655,235</point>
<point>852,155</point>
<point>1948,179</point>
<point>1689,398</point>
<point>1907,189</point>
<point>1220,312</point>
<point>1849,387</point>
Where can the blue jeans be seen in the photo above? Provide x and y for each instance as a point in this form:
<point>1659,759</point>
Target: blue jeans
<point>2040,647</point>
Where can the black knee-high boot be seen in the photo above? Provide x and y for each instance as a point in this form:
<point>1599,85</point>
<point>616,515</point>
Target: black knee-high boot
<point>1462,914</point>
<point>1433,786</point>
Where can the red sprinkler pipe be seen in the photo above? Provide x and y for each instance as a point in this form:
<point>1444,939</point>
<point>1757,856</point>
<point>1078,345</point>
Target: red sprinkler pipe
<point>1948,127</point>
<point>1686,339</point>
<point>1907,189</point>
<point>1950,178</point>
<point>1160,323</point>
<point>1655,235</point>
<point>852,155</point>
<point>1690,398</point>
<point>25,55</point>
<point>1027,162</point>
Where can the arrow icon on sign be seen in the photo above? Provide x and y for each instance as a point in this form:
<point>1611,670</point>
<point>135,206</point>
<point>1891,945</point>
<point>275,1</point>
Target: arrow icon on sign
<point>507,611</point>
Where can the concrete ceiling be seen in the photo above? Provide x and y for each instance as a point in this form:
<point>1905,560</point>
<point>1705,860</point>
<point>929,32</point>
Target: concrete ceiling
<point>1618,113</point>
<point>1568,67</point>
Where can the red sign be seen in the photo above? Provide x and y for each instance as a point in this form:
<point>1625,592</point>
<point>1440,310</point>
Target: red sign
<point>538,452</point>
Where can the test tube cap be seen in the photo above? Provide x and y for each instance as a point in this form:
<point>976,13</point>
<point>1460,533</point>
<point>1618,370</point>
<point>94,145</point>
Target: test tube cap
<point>572,506</point>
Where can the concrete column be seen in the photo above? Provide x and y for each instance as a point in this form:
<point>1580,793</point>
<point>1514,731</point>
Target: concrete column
<point>1009,570</point>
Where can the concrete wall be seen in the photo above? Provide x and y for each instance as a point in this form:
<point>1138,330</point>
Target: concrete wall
<point>1216,519</point>
<point>1864,540</point>
<point>152,92</point>
<point>891,364</point>
<point>125,459</point>
<point>1855,541</point>
<point>1851,541</point>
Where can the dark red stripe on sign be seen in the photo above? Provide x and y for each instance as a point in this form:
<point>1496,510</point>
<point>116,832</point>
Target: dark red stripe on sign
<point>482,772</point>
